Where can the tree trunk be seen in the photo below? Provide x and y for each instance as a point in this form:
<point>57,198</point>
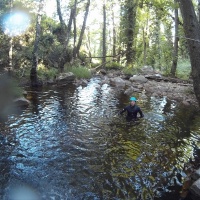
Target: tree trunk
<point>131,9</point>
<point>104,35</point>
<point>158,45</point>
<point>199,10</point>
<point>33,74</point>
<point>60,14</point>
<point>75,31</point>
<point>11,45</point>
<point>114,33</point>
<point>192,32</point>
<point>65,31</point>
<point>176,39</point>
<point>145,47</point>
<point>62,23</point>
<point>83,28</point>
<point>89,46</point>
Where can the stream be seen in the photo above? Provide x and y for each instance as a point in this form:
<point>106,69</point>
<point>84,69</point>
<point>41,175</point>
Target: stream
<point>70,144</point>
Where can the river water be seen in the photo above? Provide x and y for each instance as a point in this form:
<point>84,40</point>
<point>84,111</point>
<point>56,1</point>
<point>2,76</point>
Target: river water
<point>69,144</point>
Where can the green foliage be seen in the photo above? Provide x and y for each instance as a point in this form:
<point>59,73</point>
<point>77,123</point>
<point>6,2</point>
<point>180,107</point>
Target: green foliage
<point>150,31</point>
<point>131,70</point>
<point>45,73</point>
<point>183,69</point>
<point>113,65</point>
<point>80,72</point>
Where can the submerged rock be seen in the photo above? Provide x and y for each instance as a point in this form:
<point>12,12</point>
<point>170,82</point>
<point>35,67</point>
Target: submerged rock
<point>21,102</point>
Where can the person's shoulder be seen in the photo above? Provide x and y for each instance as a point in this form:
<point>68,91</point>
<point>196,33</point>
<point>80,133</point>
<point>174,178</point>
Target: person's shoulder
<point>138,107</point>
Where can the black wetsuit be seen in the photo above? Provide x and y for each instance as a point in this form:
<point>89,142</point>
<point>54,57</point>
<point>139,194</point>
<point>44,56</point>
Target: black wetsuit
<point>132,112</point>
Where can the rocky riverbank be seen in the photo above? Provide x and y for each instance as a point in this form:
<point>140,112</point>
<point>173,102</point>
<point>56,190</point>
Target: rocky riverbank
<point>148,84</point>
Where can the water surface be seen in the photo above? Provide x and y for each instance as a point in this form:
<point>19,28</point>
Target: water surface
<point>70,144</point>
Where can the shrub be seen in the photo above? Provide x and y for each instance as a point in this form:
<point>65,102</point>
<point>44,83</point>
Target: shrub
<point>45,73</point>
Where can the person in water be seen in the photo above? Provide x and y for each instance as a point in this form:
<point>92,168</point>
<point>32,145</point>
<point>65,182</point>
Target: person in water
<point>132,110</point>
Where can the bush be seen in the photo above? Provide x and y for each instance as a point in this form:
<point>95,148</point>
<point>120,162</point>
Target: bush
<point>45,73</point>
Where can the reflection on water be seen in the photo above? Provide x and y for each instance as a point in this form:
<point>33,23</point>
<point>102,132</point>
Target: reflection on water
<point>70,144</point>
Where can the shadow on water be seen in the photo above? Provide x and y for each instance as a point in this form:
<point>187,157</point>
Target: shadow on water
<point>70,144</point>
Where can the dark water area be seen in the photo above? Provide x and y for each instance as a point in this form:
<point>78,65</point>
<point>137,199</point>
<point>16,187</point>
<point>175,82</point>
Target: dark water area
<point>70,144</point>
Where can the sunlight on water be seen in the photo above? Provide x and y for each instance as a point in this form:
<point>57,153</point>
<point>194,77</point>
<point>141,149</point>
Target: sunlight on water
<point>15,23</point>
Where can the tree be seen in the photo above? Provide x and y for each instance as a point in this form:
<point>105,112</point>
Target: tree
<point>192,32</point>
<point>114,31</point>
<point>129,10</point>
<point>176,39</point>
<point>83,28</point>
<point>104,34</point>
<point>199,10</point>
<point>75,29</point>
<point>33,74</point>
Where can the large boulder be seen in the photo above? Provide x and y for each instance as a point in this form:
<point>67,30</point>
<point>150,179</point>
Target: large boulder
<point>117,82</point>
<point>138,79</point>
<point>147,70</point>
<point>65,78</point>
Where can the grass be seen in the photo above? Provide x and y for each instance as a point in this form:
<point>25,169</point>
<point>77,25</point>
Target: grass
<point>80,72</point>
<point>183,69</point>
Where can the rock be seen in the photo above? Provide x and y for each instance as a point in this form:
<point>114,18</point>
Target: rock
<point>138,79</point>
<point>103,71</point>
<point>186,103</point>
<point>110,75</point>
<point>140,87</point>
<point>21,102</point>
<point>154,77</point>
<point>147,70</point>
<point>131,90</point>
<point>196,175</point>
<point>65,78</point>
<point>50,82</point>
<point>118,82</point>
<point>128,83</point>
<point>195,190</point>
<point>84,82</point>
